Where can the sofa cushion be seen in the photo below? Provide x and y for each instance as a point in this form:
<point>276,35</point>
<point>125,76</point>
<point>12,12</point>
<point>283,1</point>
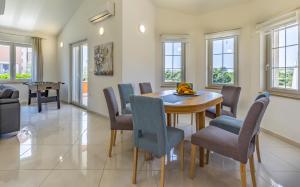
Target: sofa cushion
<point>6,93</point>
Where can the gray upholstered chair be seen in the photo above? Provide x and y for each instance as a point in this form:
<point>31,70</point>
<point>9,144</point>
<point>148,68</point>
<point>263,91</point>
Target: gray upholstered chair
<point>125,91</point>
<point>231,95</point>
<point>9,110</point>
<point>240,146</point>
<point>117,121</point>
<point>145,87</point>
<point>234,125</point>
<point>151,133</point>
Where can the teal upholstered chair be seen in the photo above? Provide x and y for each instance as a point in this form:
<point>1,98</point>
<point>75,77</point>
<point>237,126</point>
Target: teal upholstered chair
<point>125,91</point>
<point>234,125</point>
<point>151,133</point>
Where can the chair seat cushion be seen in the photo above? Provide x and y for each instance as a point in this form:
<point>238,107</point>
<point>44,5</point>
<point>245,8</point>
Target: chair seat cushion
<point>148,142</point>
<point>211,113</point>
<point>227,123</point>
<point>217,140</point>
<point>175,136</point>
<point>124,122</point>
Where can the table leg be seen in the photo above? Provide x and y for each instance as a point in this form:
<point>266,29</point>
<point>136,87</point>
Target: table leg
<point>169,120</point>
<point>218,109</point>
<point>200,120</point>
<point>39,100</point>
<point>58,99</point>
<point>29,97</point>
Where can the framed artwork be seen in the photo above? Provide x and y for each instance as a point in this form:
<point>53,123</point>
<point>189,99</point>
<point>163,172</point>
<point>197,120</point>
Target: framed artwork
<point>103,56</point>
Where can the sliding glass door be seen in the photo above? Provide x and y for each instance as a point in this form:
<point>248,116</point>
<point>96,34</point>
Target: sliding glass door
<point>79,69</point>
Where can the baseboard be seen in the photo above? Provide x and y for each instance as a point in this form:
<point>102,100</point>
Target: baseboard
<point>282,138</point>
<point>96,113</point>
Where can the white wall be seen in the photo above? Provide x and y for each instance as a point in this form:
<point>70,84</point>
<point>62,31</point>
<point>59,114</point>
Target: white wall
<point>79,28</point>
<point>133,52</point>
<point>138,49</point>
<point>49,55</point>
<point>281,116</point>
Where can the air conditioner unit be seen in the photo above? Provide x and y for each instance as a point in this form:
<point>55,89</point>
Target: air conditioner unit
<point>2,7</point>
<point>107,12</point>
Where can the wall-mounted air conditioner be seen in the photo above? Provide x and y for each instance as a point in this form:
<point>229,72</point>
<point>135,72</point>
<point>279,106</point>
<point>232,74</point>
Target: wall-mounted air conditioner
<point>108,11</point>
<point>2,7</point>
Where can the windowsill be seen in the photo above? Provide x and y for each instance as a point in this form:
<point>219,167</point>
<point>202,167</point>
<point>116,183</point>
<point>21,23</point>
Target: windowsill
<point>285,95</point>
<point>213,87</point>
<point>13,81</point>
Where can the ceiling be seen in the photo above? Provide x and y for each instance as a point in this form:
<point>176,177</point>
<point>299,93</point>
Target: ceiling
<point>46,16</point>
<point>196,6</point>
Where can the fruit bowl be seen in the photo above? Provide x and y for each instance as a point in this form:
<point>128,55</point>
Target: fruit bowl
<point>185,89</point>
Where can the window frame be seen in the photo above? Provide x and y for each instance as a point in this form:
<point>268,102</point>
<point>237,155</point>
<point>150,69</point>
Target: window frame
<point>183,60</point>
<point>285,92</point>
<point>209,53</point>
<point>12,63</point>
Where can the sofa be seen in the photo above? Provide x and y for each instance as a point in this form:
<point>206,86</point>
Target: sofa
<point>9,109</point>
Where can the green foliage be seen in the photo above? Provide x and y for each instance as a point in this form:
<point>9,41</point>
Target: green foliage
<point>6,76</point>
<point>285,79</point>
<point>172,76</point>
<point>221,76</point>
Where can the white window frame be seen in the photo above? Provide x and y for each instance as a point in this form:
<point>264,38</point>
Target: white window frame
<point>12,64</point>
<point>266,42</point>
<point>209,55</point>
<point>269,66</point>
<point>183,39</point>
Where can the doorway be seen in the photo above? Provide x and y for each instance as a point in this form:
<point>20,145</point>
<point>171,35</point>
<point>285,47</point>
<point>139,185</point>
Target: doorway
<point>79,74</point>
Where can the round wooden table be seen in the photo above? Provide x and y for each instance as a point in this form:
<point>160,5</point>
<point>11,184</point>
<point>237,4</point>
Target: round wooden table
<point>197,104</point>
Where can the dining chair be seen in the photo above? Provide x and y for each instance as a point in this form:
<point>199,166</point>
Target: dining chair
<point>239,147</point>
<point>151,133</point>
<point>125,91</point>
<point>234,125</point>
<point>117,121</point>
<point>231,96</point>
<point>176,116</point>
<point>145,87</point>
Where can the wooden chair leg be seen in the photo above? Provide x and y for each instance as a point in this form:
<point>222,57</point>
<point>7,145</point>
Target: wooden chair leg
<point>177,118</point>
<point>252,170</point>
<point>111,142</point>
<point>243,174</point>
<point>207,156</point>
<point>192,161</point>
<point>174,120</point>
<point>115,137</point>
<point>134,163</point>
<point>192,118</point>
<point>257,149</point>
<point>201,157</point>
<point>162,171</point>
<point>181,150</point>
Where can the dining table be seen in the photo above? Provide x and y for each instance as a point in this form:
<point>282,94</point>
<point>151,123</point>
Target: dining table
<point>197,103</point>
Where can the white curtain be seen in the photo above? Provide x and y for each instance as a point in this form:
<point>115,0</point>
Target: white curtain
<point>37,59</point>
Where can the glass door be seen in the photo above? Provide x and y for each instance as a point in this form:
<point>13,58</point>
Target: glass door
<point>79,69</point>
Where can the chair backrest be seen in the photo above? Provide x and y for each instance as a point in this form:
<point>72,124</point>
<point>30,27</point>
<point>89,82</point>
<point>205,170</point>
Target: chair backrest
<point>251,127</point>
<point>149,123</point>
<point>264,94</point>
<point>231,95</point>
<point>125,90</point>
<point>145,87</point>
<point>112,105</point>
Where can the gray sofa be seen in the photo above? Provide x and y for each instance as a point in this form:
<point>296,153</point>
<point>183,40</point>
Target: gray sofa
<point>9,109</point>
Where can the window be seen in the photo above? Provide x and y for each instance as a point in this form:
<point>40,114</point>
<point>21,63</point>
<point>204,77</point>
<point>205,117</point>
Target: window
<point>222,61</point>
<point>282,63</point>
<point>173,62</point>
<point>15,61</point>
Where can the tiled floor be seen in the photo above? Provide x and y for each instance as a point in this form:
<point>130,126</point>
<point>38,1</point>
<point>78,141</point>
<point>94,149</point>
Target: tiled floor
<point>68,147</point>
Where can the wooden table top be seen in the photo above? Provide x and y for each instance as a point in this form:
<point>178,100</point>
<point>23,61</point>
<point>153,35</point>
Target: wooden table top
<point>187,104</point>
